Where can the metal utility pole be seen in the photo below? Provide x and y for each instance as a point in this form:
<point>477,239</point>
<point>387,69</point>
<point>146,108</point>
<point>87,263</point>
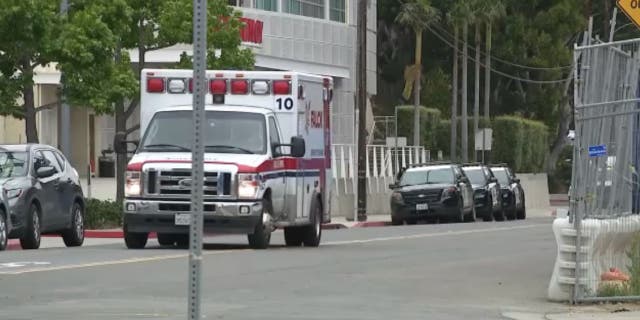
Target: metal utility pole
<point>476,98</point>
<point>65,110</point>
<point>454,100</point>
<point>487,88</point>
<point>465,112</point>
<point>361,85</point>
<point>197,166</point>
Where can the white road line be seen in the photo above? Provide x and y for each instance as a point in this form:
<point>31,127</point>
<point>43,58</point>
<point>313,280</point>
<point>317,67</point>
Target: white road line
<point>438,234</point>
<point>184,255</point>
<point>114,262</point>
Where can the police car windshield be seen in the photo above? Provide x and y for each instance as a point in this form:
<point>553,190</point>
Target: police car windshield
<point>476,176</point>
<point>429,176</point>
<point>224,132</point>
<point>502,177</point>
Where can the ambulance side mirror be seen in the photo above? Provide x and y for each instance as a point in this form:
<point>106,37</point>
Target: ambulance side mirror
<point>120,144</point>
<point>298,148</point>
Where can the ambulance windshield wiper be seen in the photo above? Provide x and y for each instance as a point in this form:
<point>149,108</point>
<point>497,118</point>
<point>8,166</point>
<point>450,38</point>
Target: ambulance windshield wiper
<point>229,147</point>
<point>167,145</point>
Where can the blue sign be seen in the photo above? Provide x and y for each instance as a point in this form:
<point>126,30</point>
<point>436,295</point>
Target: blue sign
<point>598,151</point>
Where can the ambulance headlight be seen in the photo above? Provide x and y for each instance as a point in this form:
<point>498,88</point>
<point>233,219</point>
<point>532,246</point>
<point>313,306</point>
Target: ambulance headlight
<point>248,185</point>
<point>132,186</point>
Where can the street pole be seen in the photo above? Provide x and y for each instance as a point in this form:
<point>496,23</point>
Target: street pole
<point>454,99</point>
<point>395,116</point>
<point>65,110</point>
<point>362,108</point>
<point>197,167</point>
<point>465,114</point>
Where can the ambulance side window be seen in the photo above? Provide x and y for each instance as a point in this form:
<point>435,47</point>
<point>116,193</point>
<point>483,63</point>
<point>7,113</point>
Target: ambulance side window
<point>274,135</point>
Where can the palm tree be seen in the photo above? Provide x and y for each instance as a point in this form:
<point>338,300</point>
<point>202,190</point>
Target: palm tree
<point>417,15</point>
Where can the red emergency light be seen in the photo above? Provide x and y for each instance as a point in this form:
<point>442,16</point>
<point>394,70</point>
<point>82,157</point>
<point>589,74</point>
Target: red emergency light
<point>218,86</point>
<point>239,86</point>
<point>281,87</point>
<point>155,84</point>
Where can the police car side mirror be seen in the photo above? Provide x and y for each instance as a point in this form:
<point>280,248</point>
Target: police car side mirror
<point>120,144</point>
<point>516,180</point>
<point>298,148</point>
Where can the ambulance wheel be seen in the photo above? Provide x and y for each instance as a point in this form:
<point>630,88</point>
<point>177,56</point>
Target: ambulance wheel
<point>135,240</point>
<point>313,232</point>
<point>261,237</point>
<point>293,236</point>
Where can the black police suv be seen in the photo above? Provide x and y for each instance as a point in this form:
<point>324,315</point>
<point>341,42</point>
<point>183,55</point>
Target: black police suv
<point>512,193</point>
<point>486,192</point>
<point>425,192</point>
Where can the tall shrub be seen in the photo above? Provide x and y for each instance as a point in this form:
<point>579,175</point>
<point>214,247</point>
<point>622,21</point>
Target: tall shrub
<point>429,121</point>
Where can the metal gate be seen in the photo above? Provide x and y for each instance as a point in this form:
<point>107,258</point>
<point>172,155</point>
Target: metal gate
<point>604,185</point>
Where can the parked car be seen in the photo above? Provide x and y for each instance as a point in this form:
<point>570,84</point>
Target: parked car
<point>486,192</point>
<point>430,191</point>
<point>512,193</point>
<point>41,194</point>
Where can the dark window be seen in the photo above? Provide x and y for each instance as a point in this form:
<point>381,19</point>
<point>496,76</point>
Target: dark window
<point>51,160</point>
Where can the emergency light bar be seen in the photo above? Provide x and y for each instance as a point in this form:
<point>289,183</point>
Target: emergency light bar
<point>221,86</point>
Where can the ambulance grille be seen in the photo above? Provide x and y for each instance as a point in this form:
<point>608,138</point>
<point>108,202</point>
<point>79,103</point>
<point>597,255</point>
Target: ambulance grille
<point>177,183</point>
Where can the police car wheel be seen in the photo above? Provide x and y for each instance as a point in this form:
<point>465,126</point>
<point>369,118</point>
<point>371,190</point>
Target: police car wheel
<point>261,237</point>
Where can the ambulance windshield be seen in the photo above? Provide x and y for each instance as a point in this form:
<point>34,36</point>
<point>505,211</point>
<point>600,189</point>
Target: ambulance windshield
<point>224,132</point>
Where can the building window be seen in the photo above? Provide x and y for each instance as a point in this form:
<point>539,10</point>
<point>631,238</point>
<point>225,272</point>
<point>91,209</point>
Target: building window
<point>307,8</point>
<point>240,3</point>
<point>267,5</point>
<point>337,10</point>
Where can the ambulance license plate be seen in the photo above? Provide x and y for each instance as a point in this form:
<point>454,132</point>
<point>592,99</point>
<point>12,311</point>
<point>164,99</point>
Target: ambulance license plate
<point>422,206</point>
<point>183,219</point>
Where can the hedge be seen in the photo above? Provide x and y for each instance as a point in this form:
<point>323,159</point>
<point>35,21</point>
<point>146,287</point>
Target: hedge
<point>102,214</point>
<point>430,119</point>
<point>444,137</point>
<point>521,143</point>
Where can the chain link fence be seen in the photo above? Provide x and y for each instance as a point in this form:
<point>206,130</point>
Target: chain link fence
<point>604,203</point>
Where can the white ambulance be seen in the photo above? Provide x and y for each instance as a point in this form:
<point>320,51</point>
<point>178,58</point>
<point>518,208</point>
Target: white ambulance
<point>267,157</point>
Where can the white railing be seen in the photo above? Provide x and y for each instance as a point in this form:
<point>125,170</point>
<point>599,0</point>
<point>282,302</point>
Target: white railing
<point>382,162</point>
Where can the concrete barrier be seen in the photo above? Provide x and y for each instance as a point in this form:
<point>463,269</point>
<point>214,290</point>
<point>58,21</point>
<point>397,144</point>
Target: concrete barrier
<point>536,193</point>
<point>604,245</point>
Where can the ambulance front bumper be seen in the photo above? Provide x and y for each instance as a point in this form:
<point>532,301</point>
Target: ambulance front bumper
<point>233,217</point>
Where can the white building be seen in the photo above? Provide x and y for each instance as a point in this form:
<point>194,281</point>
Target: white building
<point>314,36</point>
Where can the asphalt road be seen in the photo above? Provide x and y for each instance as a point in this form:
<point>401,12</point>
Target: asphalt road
<point>448,271</point>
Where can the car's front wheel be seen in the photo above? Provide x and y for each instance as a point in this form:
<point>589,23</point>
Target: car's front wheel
<point>74,236</point>
<point>31,237</point>
<point>4,231</point>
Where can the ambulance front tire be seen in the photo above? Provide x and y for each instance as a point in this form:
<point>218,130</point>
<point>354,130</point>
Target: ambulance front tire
<point>261,237</point>
<point>135,240</point>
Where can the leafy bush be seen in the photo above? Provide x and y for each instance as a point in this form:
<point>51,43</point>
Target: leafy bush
<point>102,214</point>
<point>429,121</point>
<point>443,140</point>
<point>521,143</point>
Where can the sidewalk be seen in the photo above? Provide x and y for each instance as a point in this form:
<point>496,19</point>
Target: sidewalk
<point>625,311</point>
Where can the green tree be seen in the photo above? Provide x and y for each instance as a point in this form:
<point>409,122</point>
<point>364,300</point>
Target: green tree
<point>418,15</point>
<point>30,29</point>
<point>147,26</point>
